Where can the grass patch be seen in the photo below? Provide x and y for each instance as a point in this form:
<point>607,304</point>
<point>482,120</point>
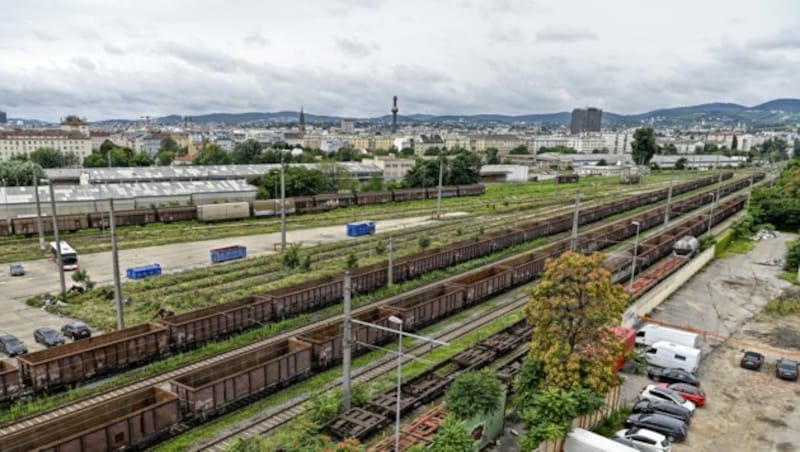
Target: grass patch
<point>789,277</point>
<point>783,306</point>
<point>613,422</point>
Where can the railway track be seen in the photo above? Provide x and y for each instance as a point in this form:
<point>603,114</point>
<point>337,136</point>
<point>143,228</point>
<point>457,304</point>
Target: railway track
<point>163,377</point>
<point>281,415</point>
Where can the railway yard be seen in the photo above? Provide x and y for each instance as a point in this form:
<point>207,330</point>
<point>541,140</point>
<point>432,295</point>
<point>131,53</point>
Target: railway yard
<point>238,348</point>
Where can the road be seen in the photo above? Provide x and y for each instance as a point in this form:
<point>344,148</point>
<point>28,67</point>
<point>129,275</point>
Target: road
<point>42,276</point>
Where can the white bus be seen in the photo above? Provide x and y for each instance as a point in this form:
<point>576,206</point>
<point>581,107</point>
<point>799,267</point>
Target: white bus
<point>69,257</point>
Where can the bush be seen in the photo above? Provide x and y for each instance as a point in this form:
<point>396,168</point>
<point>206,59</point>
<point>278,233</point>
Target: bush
<point>452,437</point>
<point>473,393</point>
<point>792,258</point>
<point>613,422</point>
<point>291,256</point>
<point>424,242</point>
<point>380,248</point>
<point>706,242</point>
<point>352,261</point>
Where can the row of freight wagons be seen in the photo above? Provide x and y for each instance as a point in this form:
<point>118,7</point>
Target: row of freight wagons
<point>84,359</point>
<point>150,412</point>
<point>227,211</point>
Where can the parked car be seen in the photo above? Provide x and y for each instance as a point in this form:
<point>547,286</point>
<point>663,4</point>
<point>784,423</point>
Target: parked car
<point>663,407</point>
<point>645,440</point>
<point>670,427</point>
<point>653,392</point>
<point>76,330</point>
<point>752,360</point>
<point>672,375</point>
<point>16,269</point>
<point>688,392</point>
<point>11,346</point>
<point>48,337</point>
<point>787,369</point>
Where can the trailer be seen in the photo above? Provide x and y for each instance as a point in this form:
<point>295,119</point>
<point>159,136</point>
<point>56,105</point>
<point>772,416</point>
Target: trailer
<point>228,253</point>
<point>360,228</point>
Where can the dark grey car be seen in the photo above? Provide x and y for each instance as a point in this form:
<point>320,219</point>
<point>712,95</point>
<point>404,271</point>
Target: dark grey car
<point>12,346</point>
<point>666,408</point>
<point>787,369</point>
<point>48,337</point>
<point>16,270</point>
<point>666,425</point>
<point>671,375</point>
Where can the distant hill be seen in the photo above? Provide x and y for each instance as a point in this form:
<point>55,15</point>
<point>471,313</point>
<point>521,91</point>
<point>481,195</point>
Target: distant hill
<point>776,112</point>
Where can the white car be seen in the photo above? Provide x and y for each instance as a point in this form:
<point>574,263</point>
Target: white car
<point>653,392</point>
<point>646,440</point>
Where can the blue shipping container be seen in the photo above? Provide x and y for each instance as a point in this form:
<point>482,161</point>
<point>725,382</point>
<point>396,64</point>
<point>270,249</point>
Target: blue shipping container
<point>360,228</point>
<point>144,271</point>
<point>228,253</point>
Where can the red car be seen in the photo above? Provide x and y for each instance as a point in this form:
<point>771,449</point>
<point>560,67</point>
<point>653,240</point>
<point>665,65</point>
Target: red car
<point>688,392</point>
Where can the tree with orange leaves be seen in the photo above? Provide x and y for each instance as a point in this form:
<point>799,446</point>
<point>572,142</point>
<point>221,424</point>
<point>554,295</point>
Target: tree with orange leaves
<point>572,309</point>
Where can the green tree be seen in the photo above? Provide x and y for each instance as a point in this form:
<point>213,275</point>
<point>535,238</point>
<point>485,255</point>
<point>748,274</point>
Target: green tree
<point>247,152</point>
<point>473,393</point>
<point>300,181</point>
<point>375,183</point>
<point>424,242</point>
<point>452,436</point>
<point>520,150</point>
<point>212,155</point>
<point>602,162</point>
<point>106,146</point>
<point>291,256</point>
<point>432,151</point>
<point>165,157</point>
<point>464,169</point>
<point>548,413</point>
<point>15,173</point>
<point>491,156</point>
<point>572,310</point>
<point>643,146</point>
<point>141,159</point>
<point>346,154</point>
<point>95,160</point>
<point>425,173</point>
<point>669,149</point>
<point>734,143</point>
<point>49,158</point>
<point>681,163</point>
<point>168,144</point>
<point>780,204</point>
<point>710,148</point>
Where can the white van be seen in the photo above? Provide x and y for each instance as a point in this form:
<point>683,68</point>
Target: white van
<point>667,354</point>
<point>650,334</point>
<point>580,440</point>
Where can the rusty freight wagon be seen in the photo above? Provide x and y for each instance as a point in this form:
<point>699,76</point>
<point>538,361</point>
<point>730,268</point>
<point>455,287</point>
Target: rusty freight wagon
<point>526,267</point>
<point>177,213</point>
<point>471,190</point>
<point>420,309</point>
<point>135,217</point>
<point>132,420</point>
<point>326,340</point>
<point>448,191</point>
<point>370,278</point>
<point>484,283</point>
<point>87,358</point>
<point>27,225</point>
<point>373,197</point>
<point>9,381</point>
<point>305,297</point>
<point>201,325</point>
<point>210,390</point>
<point>409,194</point>
<point>5,227</point>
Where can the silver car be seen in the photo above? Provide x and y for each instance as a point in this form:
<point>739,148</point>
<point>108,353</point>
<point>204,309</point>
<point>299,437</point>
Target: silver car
<point>16,269</point>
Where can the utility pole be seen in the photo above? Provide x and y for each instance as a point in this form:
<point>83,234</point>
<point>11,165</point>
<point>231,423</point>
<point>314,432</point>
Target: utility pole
<point>389,271</point>
<point>38,207</point>
<point>711,211</point>
<point>283,206</point>
<point>115,262</point>
<point>669,204</point>
<point>346,339</point>
<point>575,216</point>
<point>439,195</point>
<point>58,240</point>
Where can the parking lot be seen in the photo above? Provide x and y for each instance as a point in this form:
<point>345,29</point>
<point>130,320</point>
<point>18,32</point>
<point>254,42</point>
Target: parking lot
<point>746,410</point>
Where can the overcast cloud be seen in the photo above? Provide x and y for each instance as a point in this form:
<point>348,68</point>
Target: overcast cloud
<point>126,59</point>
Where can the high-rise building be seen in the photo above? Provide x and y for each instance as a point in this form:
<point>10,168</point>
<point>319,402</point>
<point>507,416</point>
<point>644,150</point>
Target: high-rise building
<point>586,120</point>
<point>3,118</point>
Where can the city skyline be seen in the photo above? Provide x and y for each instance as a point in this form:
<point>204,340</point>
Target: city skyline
<point>348,58</point>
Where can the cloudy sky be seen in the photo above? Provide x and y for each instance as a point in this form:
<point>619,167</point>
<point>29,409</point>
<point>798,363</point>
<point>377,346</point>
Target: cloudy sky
<point>129,58</point>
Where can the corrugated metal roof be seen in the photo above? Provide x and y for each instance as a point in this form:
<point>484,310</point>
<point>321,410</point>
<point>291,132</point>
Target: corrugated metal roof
<point>155,173</point>
<point>96,192</point>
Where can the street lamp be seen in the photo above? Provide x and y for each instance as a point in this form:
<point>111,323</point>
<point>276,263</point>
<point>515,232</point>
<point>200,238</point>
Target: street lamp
<point>399,322</point>
<point>635,250</point>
